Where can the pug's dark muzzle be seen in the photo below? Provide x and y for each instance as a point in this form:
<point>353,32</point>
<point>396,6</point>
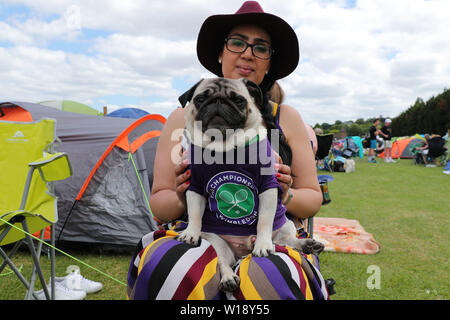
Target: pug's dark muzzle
<point>221,113</point>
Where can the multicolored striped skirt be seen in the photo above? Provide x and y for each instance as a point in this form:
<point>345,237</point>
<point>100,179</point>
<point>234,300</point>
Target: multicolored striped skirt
<point>163,268</point>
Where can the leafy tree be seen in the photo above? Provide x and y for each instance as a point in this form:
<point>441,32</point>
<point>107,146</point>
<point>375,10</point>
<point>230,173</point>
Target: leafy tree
<point>355,130</point>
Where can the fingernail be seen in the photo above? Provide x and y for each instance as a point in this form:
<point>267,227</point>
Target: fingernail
<point>278,175</point>
<point>188,172</point>
<point>186,161</point>
<point>188,182</point>
<point>276,166</point>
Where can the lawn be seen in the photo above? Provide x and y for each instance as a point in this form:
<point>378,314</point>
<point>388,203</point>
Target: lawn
<point>405,207</point>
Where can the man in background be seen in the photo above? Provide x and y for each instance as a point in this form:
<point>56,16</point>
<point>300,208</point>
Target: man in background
<point>373,132</point>
<point>386,133</point>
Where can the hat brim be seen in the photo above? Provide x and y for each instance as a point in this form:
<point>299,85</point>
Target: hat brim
<point>215,29</point>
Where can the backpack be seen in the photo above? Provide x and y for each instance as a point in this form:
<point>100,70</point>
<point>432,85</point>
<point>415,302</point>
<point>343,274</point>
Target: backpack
<point>338,166</point>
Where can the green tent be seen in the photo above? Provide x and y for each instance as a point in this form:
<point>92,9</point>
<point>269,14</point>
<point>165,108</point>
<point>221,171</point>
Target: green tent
<point>70,106</point>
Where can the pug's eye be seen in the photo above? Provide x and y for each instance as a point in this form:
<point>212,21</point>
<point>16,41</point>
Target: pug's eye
<point>239,100</point>
<point>198,100</point>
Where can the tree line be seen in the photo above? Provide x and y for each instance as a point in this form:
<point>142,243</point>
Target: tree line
<point>432,116</point>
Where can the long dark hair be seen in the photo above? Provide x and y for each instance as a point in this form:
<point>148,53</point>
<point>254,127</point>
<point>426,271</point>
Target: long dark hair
<point>284,151</point>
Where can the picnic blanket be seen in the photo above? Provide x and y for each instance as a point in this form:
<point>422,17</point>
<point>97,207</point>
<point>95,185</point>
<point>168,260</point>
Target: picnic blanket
<point>344,235</point>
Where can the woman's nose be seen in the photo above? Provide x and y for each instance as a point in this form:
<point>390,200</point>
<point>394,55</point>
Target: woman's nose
<point>248,54</point>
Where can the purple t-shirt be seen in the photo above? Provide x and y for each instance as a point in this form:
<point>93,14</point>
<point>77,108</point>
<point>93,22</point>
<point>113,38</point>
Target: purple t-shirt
<point>231,182</point>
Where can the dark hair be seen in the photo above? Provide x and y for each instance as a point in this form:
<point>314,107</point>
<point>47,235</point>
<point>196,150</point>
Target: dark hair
<point>284,151</point>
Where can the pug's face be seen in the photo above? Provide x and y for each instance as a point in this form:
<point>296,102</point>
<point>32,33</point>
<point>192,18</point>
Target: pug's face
<point>225,106</point>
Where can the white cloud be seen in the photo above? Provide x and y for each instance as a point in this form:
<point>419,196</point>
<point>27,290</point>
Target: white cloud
<point>375,58</point>
<point>11,34</point>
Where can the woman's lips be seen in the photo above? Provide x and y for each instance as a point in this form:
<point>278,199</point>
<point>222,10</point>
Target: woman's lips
<point>243,70</point>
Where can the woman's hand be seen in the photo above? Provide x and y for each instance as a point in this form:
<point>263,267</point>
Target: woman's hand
<point>283,174</point>
<point>182,178</point>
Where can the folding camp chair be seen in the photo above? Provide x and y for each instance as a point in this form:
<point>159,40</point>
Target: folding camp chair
<point>323,153</point>
<point>27,203</point>
<point>350,148</point>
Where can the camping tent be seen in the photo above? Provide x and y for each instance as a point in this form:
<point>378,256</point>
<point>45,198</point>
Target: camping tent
<point>402,147</point>
<point>70,106</point>
<point>105,202</point>
<point>132,113</point>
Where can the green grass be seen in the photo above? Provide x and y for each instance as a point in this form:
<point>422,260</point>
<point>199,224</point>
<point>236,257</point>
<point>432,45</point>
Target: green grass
<point>405,207</point>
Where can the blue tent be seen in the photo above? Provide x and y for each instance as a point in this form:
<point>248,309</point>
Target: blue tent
<point>131,113</point>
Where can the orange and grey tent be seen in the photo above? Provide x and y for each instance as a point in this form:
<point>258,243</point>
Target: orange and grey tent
<point>402,148</point>
<point>105,202</point>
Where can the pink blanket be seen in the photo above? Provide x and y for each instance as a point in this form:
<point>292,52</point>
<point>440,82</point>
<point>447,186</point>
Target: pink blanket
<point>344,235</point>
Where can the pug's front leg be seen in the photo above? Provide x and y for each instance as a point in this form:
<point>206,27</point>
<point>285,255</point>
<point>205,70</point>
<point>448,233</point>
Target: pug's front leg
<point>267,208</point>
<point>195,207</point>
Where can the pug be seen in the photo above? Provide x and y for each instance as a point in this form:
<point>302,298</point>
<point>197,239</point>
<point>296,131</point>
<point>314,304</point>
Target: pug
<point>233,189</point>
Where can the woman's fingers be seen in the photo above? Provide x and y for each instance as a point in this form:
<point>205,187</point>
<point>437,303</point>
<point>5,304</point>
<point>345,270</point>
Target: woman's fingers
<point>182,175</point>
<point>182,179</point>
<point>284,178</point>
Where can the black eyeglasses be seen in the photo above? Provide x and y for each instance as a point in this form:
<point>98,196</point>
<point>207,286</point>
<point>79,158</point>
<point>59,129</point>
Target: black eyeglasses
<point>259,50</point>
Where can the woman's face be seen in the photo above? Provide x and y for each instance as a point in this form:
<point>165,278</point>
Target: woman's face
<point>245,64</point>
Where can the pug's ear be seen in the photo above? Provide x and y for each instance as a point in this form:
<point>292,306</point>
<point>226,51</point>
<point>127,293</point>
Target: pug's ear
<point>187,96</point>
<point>254,90</point>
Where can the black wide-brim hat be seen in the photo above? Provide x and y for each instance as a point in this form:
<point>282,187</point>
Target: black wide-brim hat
<point>215,29</point>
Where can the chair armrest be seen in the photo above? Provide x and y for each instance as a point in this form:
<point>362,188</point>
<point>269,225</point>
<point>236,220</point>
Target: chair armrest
<point>53,167</point>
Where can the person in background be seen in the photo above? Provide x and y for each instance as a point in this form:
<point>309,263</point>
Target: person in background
<point>386,133</point>
<point>424,151</point>
<point>373,132</point>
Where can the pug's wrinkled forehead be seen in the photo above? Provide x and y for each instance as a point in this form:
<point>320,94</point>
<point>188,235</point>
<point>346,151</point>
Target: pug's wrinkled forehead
<point>222,86</point>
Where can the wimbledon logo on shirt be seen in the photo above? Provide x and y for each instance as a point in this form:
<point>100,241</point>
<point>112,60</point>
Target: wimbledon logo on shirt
<point>232,197</point>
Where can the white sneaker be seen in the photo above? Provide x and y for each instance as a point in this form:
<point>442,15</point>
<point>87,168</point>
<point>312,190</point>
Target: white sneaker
<point>61,293</point>
<point>76,281</point>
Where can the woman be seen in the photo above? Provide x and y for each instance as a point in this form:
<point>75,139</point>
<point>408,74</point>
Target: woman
<point>262,48</point>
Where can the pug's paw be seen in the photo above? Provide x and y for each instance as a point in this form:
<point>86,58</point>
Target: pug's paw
<point>189,237</point>
<point>263,248</point>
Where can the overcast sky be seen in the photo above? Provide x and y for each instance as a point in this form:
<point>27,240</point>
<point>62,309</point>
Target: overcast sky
<point>359,58</point>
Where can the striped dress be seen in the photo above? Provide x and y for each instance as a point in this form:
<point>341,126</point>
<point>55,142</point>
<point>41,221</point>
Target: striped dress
<point>163,268</point>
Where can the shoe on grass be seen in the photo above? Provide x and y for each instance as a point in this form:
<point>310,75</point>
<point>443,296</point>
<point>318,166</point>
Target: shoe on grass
<point>61,293</point>
<point>76,281</point>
